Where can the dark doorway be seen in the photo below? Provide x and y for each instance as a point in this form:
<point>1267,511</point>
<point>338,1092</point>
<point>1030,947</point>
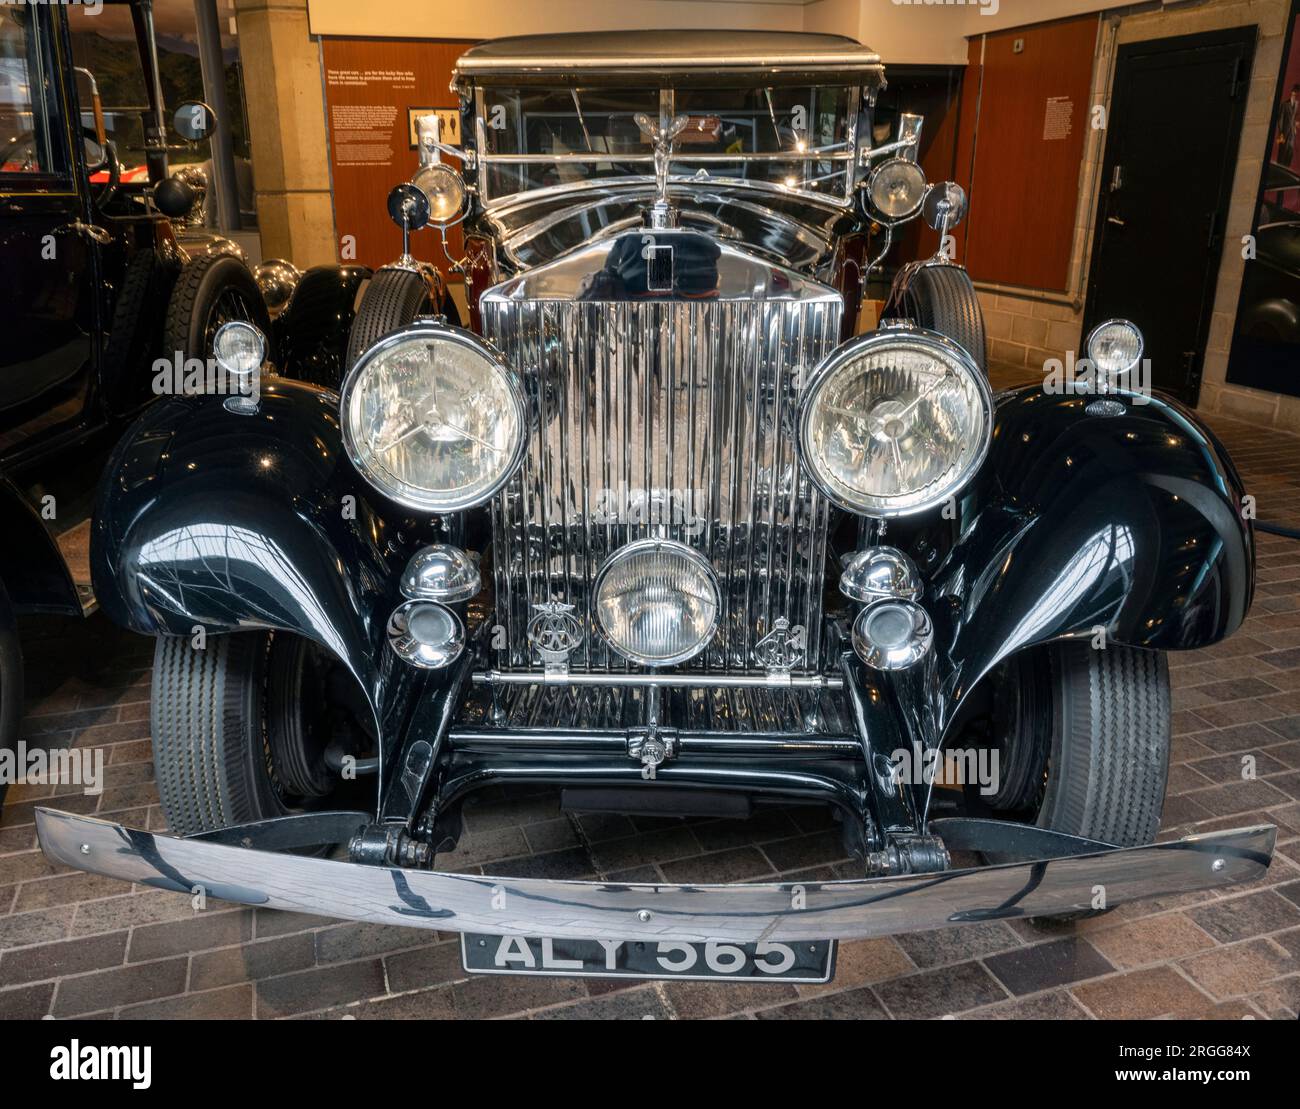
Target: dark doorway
<point>1171,150</point>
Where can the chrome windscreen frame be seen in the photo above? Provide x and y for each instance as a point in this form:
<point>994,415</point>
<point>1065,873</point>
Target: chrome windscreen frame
<point>850,154</point>
<point>436,329</point>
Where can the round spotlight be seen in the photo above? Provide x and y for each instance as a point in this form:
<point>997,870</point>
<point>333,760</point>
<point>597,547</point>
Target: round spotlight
<point>877,573</point>
<point>896,188</point>
<point>425,634</point>
<point>444,188</point>
<point>440,573</point>
<point>1115,347</point>
<point>892,634</point>
<point>239,349</point>
<point>657,602</point>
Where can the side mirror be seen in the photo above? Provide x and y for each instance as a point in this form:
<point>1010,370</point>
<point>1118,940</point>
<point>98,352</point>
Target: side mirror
<point>194,121</point>
<point>945,206</point>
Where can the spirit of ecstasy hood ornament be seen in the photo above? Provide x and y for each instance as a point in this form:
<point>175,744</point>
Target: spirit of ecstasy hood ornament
<point>661,134</point>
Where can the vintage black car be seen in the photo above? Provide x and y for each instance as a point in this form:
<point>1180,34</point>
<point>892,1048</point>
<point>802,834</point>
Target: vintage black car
<point>663,532</point>
<point>103,275</point>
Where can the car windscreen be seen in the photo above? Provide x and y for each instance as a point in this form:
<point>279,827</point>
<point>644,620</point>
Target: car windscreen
<point>797,138</point>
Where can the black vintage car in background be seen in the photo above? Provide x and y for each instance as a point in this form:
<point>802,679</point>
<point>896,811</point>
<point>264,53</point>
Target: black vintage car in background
<point>661,531</point>
<point>102,275</point>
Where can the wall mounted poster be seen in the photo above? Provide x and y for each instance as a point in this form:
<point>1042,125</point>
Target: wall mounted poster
<point>1266,342</point>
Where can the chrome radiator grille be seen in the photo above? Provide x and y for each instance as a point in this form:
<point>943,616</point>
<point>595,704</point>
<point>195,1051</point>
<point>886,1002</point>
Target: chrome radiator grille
<point>672,418</point>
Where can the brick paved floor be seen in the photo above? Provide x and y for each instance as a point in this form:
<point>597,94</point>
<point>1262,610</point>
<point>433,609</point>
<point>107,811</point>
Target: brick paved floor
<point>72,944</point>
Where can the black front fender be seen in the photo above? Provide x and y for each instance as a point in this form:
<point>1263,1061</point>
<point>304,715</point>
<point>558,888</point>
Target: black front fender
<point>208,518</point>
<point>1124,529</point>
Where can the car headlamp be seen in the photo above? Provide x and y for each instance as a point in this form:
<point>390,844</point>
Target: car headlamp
<point>657,602</point>
<point>896,188</point>
<point>444,188</point>
<point>433,418</point>
<point>1115,347</point>
<point>895,422</point>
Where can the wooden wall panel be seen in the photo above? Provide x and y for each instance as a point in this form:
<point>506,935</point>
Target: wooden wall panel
<point>1024,123</point>
<point>369,84</point>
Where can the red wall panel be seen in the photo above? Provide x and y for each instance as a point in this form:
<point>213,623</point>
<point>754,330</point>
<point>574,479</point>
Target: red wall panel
<point>1024,121</point>
<point>369,85</point>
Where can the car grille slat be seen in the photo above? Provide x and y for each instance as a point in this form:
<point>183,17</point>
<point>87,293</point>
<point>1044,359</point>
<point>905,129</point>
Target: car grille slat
<point>673,418</point>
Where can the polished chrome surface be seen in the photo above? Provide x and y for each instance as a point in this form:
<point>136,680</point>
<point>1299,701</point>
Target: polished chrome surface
<point>876,573</point>
<point>704,56</point>
<point>723,913</point>
<point>578,710</point>
<point>276,279</point>
<point>426,635</point>
<point>440,572</point>
<point>944,206</point>
<point>707,271</point>
<point>797,229</point>
<point>668,414</point>
<point>661,132</point>
<point>659,680</point>
<point>892,634</point>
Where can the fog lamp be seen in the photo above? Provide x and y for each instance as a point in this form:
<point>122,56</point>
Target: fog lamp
<point>425,634</point>
<point>657,602</point>
<point>239,348</point>
<point>1115,347</point>
<point>892,635</point>
<point>877,573</point>
<point>440,572</point>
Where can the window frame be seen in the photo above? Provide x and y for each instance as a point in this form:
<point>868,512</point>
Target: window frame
<point>61,182</point>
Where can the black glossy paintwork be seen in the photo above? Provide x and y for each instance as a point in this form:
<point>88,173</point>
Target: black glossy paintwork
<point>208,517</point>
<point>1130,523</point>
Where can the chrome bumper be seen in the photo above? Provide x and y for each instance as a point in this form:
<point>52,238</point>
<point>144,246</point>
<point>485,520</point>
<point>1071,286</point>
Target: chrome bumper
<point>732,913</point>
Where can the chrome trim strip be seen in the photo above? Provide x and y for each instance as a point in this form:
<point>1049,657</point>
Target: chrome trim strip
<point>701,679</point>
<point>726,913</point>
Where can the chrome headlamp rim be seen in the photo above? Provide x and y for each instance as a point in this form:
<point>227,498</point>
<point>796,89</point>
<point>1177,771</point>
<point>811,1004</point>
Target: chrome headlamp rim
<point>629,550</point>
<point>425,329</point>
<point>863,345</point>
<point>874,175</point>
<point>1121,322</point>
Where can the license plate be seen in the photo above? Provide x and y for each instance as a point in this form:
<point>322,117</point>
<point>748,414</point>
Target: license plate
<point>802,961</point>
